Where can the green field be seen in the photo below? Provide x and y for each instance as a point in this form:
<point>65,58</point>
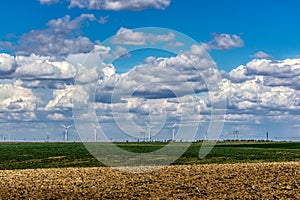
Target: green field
<point>54,155</point>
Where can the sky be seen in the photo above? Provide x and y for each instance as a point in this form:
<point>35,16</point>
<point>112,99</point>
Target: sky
<point>202,68</point>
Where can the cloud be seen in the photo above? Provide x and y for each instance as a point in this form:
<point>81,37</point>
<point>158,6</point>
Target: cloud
<point>103,19</point>
<point>14,98</point>
<point>63,99</point>
<point>129,37</point>
<point>224,42</point>
<point>239,74</point>
<point>7,63</point>
<point>5,45</point>
<point>87,75</point>
<point>176,44</point>
<point>239,117</point>
<point>161,78</point>
<point>156,111</point>
<point>37,71</point>
<point>48,2</point>
<point>150,59</point>
<point>117,5</point>
<point>268,96</point>
<point>121,52</point>
<point>45,70</point>
<point>62,37</point>
<point>258,91</point>
<point>35,68</point>
<point>65,25</point>
<point>19,116</point>
<point>262,87</point>
<point>95,56</point>
<point>56,116</point>
<point>282,69</point>
<point>261,55</point>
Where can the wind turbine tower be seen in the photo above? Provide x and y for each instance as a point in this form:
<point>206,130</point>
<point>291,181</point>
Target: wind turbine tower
<point>66,131</point>
<point>236,134</point>
<point>148,130</point>
<point>95,131</point>
<point>173,131</point>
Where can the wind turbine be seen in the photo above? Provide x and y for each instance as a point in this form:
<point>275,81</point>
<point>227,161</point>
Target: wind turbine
<point>66,131</point>
<point>148,130</point>
<point>236,134</point>
<point>173,131</point>
<point>95,131</point>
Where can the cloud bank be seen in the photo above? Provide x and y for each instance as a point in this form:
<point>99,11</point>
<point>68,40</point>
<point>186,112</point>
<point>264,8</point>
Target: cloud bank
<point>62,37</point>
<point>115,5</point>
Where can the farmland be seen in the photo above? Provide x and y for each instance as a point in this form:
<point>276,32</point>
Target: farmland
<point>62,155</point>
<point>232,170</point>
<point>212,181</point>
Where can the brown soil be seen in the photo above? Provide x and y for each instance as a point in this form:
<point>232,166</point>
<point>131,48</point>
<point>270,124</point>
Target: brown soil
<point>228,181</point>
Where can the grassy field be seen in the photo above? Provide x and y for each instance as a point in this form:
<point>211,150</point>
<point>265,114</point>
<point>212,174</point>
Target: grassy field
<point>57,155</point>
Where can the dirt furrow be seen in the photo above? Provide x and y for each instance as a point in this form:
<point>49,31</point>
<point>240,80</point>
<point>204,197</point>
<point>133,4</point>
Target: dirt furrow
<point>225,181</point>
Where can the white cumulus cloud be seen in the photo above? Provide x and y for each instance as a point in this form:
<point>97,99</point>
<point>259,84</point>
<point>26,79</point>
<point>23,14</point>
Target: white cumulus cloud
<point>41,68</point>
<point>162,78</point>
<point>63,98</point>
<point>224,41</point>
<point>261,55</point>
<point>262,87</point>
<point>62,37</point>
<point>117,5</point>
<point>129,37</point>
<point>14,98</point>
<point>7,63</point>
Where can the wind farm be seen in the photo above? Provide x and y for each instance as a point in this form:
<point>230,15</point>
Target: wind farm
<point>149,99</point>
<point>235,163</point>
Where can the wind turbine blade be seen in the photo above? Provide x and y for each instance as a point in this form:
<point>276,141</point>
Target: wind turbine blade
<point>63,125</point>
<point>174,125</point>
<point>95,126</point>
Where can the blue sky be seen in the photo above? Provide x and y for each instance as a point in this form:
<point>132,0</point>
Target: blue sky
<point>264,25</point>
<point>255,46</point>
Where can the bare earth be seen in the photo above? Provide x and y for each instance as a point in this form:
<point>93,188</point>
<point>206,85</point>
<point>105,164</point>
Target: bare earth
<point>228,181</point>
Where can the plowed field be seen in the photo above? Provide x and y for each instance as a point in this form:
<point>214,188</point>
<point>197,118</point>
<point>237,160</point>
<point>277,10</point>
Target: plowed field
<point>216,181</point>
